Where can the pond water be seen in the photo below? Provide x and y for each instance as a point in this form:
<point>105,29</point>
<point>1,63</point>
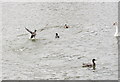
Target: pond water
<point>91,35</point>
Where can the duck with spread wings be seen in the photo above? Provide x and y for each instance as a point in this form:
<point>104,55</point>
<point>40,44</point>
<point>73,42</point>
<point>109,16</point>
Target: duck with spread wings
<point>33,34</point>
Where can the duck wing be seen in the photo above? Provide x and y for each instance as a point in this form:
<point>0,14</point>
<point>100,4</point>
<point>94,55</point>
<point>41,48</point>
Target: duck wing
<point>28,30</point>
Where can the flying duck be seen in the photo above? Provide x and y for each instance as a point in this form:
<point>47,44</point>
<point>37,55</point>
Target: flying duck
<point>90,65</point>
<point>33,34</point>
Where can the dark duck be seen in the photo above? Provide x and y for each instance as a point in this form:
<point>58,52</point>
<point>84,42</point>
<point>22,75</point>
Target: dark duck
<point>57,36</point>
<point>33,34</point>
<point>66,26</point>
<point>90,65</point>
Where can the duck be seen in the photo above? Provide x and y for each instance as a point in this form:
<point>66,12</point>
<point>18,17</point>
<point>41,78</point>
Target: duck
<point>57,36</point>
<point>90,65</point>
<point>116,33</point>
<point>33,34</point>
<point>66,26</point>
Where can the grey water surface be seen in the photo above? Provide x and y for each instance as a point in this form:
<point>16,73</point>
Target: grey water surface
<point>91,35</point>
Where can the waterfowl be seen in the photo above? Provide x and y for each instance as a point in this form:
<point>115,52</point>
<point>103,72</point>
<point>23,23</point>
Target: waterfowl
<point>33,34</point>
<point>57,36</point>
<point>66,26</point>
<point>116,33</point>
<point>90,65</point>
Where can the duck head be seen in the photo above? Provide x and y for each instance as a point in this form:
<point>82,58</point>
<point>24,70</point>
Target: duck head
<point>56,34</point>
<point>93,60</point>
<point>115,23</point>
<point>35,30</point>
<point>65,24</point>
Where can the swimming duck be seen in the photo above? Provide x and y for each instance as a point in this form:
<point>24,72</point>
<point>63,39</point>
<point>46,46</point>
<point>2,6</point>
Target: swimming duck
<point>116,33</point>
<point>33,34</point>
<point>90,65</point>
<point>66,26</point>
<point>57,36</point>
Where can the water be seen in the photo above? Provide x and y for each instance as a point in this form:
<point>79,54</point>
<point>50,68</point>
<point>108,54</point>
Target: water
<point>91,35</point>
